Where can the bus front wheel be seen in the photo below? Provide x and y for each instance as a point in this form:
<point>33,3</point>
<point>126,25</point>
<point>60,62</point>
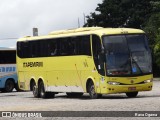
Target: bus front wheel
<point>132,94</point>
<point>92,92</point>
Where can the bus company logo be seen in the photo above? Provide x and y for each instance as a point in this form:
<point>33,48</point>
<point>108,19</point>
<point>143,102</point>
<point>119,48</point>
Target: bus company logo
<point>33,64</point>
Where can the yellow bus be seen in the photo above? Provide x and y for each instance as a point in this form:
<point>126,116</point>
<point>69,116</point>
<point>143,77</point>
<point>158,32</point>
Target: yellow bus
<point>92,60</point>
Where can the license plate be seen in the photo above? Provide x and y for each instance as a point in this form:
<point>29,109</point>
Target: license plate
<point>132,88</point>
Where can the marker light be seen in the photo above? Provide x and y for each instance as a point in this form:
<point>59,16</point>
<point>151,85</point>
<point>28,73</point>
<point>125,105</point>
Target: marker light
<point>148,81</point>
<point>113,83</point>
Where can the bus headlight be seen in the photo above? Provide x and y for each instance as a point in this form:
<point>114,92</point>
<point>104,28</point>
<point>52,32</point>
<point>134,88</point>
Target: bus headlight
<point>148,81</point>
<point>113,83</point>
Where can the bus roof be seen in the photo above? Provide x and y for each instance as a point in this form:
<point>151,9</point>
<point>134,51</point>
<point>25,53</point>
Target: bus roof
<point>85,31</point>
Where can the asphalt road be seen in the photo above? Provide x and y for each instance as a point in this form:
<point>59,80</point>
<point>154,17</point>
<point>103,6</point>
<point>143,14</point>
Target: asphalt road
<point>24,101</point>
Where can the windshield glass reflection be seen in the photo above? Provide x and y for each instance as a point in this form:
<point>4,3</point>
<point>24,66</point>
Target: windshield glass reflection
<point>127,54</point>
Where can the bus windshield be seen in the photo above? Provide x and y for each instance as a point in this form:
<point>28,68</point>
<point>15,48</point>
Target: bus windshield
<point>127,55</point>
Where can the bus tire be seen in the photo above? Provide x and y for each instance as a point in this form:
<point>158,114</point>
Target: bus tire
<point>131,94</point>
<point>9,86</point>
<point>44,94</point>
<point>92,92</point>
<point>35,90</point>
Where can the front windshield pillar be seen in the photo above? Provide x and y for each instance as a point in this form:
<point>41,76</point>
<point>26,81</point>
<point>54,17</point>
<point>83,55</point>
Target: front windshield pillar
<point>101,64</point>
<point>98,55</point>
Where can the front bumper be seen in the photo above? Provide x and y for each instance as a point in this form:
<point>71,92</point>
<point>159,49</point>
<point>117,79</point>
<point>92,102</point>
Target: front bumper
<point>108,89</point>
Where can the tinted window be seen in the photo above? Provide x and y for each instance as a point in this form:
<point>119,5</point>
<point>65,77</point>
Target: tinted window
<point>55,47</point>
<point>8,57</point>
<point>84,45</point>
<point>23,49</point>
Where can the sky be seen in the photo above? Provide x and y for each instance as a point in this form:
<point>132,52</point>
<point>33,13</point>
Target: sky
<point>19,17</point>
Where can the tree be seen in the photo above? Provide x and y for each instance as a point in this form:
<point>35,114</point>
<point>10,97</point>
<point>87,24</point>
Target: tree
<point>157,50</point>
<point>152,28</point>
<point>121,13</point>
<point>154,31</point>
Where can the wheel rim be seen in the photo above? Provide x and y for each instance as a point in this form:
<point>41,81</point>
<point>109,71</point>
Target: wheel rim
<point>92,91</point>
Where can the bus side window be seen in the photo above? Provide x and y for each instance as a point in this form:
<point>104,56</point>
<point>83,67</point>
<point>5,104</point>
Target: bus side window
<point>33,45</point>
<point>63,47</point>
<point>67,47</point>
<point>52,48</point>
<point>43,48</point>
<point>19,47</point>
<point>75,42</point>
<point>71,47</point>
<point>23,49</point>
<point>84,47</point>
<point>8,56</point>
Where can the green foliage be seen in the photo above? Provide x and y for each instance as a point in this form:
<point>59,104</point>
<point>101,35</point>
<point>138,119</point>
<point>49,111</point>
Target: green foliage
<point>121,13</point>
<point>157,50</point>
<point>152,29</point>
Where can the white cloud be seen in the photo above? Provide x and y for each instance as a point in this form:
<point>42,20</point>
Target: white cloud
<point>18,17</point>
